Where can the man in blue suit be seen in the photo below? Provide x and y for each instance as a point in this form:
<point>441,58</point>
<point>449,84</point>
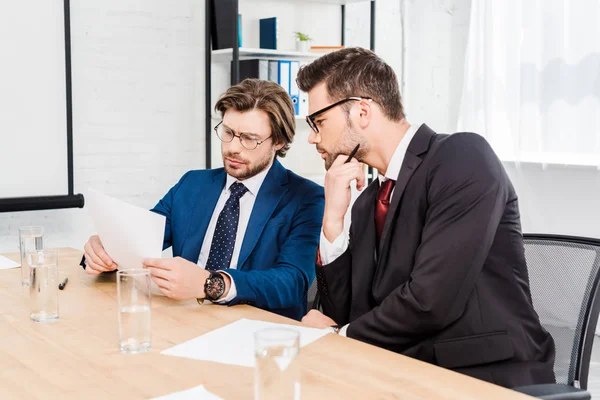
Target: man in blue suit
<point>246,233</point>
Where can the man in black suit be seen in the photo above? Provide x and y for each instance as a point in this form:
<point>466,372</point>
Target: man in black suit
<point>433,265</point>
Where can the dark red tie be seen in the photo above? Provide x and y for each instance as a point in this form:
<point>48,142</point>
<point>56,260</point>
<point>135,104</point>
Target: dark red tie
<point>383,203</point>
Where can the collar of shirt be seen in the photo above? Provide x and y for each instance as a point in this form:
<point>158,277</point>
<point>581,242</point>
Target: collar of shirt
<point>395,164</point>
<point>253,184</point>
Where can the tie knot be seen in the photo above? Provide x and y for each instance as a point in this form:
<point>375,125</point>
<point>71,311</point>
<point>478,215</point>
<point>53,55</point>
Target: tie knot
<point>237,189</point>
<point>385,190</point>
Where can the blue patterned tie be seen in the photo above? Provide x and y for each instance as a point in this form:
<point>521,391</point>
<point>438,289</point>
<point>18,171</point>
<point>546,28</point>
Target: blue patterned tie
<point>221,248</point>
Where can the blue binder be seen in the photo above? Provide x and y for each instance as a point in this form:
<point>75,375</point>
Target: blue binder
<point>294,90</point>
<point>240,30</point>
<point>288,70</point>
<point>268,33</point>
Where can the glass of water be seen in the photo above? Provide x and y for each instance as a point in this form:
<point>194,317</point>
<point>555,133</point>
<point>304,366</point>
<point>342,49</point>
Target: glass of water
<point>133,287</point>
<point>43,284</point>
<point>276,376</point>
<point>30,240</point>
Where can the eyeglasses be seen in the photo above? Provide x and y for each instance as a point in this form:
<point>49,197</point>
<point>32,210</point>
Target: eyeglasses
<point>226,135</point>
<point>310,119</point>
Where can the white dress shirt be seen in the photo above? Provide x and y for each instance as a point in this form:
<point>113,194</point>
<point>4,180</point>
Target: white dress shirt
<point>331,251</point>
<point>253,185</point>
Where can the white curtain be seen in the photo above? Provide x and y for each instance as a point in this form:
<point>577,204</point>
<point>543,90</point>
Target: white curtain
<point>532,79</point>
<point>532,88</point>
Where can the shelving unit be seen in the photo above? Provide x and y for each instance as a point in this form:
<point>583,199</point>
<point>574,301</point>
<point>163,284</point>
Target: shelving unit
<point>245,53</point>
<point>236,54</point>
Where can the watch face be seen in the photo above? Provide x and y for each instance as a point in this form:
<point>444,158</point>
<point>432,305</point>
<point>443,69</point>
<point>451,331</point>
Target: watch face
<point>215,287</point>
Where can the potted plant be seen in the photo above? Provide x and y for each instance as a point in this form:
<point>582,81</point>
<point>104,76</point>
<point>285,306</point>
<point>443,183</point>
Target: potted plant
<point>302,40</point>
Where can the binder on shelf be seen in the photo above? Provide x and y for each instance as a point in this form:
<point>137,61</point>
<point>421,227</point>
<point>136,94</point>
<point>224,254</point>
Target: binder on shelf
<point>224,24</point>
<point>287,72</point>
<point>268,33</point>
<point>303,107</point>
<point>303,98</point>
<point>294,91</point>
<point>240,30</point>
<point>254,68</point>
<point>274,71</point>
<point>284,74</point>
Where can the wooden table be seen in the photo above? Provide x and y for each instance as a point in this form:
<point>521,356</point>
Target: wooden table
<point>78,356</point>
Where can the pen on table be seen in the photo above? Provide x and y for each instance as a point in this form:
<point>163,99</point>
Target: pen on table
<point>352,154</point>
<point>62,285</point>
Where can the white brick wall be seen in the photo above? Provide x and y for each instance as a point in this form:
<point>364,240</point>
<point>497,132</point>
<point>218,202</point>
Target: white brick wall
<point>138,73</point>
<point>436,40</point>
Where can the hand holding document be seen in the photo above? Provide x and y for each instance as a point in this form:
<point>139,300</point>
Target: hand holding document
<point>128,233</point>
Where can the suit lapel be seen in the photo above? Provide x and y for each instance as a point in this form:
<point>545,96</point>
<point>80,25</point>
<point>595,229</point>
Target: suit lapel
<point>206,201</point>
<point>418,145</point>
<point>270,194</point>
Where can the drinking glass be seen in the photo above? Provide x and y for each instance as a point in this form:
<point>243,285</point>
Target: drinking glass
<point>43,284</point>
<point>276,376</point>
<point>30,239</point>
<point>134,297</point>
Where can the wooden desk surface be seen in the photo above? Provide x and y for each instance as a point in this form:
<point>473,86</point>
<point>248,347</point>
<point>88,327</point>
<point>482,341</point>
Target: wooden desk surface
<point>78,356</point>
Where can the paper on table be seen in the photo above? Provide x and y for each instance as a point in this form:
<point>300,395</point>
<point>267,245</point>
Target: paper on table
<point>7,263</point>
<point>128,233</point>
<point>195,393</point>
<point>234,343</point>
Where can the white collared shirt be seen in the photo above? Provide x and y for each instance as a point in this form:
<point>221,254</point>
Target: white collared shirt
<point>253,185</point>
<point>331,251</point>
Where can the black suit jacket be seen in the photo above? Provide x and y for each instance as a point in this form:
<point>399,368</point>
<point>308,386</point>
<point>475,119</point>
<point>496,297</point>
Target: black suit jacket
<point>448,283</point>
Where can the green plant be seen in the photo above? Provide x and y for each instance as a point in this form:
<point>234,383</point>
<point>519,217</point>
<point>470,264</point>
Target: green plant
<point>303,37</point>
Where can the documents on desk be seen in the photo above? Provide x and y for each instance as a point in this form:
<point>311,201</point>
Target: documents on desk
<point>128,233</point>
<point>195,393</point>
<point>7,263</point>
<point>234,343</point>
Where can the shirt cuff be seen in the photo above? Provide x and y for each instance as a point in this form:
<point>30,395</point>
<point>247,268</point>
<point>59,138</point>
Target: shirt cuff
<point>331,251</point>
<point>232,291</point>
<point>342,331</point>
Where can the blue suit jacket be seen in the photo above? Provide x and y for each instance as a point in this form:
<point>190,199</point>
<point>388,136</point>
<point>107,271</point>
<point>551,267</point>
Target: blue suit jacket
<point>277,257</point>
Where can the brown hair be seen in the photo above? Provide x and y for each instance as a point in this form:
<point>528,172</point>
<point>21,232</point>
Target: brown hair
<point>355,72</point>
<point>257,94</point>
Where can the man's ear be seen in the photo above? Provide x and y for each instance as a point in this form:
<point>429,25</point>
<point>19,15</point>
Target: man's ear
<point>365,112</point>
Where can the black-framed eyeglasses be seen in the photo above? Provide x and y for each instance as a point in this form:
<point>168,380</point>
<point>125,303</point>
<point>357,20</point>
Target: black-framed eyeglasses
<point>226,135</point>
<point>310,119</point>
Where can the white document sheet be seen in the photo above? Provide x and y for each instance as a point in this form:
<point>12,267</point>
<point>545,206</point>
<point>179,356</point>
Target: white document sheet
<point>195,393</point>
<point>7,263</point>
<point>128,233</point>
<point>234,343</point>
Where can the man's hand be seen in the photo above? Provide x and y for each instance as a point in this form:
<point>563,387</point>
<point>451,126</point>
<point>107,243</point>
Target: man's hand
<point>316,319</point>
<point>96,258</point>
<point>177,277</point>
<point>338,195</point>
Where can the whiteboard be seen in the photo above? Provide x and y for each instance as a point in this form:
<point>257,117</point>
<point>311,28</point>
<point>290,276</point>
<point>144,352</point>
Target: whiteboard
<point>33,110</point>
